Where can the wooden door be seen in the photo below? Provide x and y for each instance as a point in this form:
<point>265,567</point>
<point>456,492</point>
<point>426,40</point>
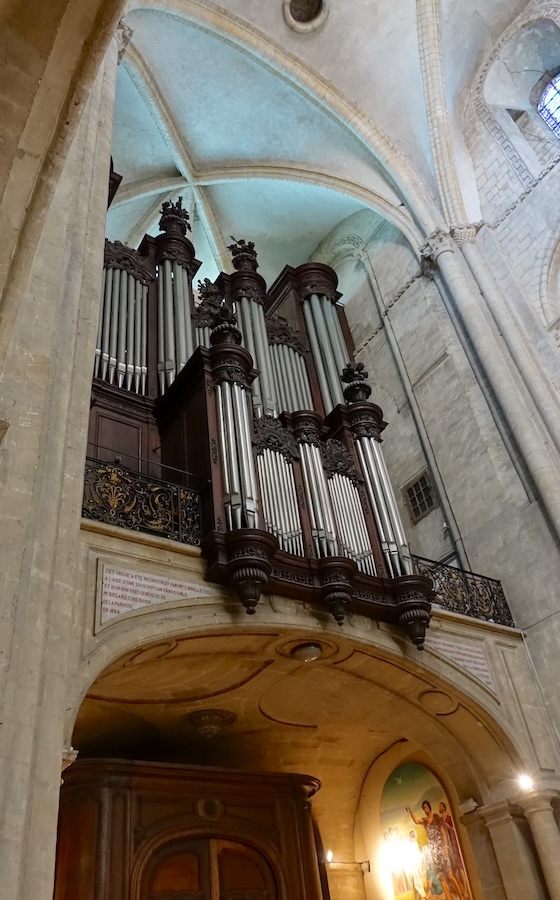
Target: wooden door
<point>208,869</point>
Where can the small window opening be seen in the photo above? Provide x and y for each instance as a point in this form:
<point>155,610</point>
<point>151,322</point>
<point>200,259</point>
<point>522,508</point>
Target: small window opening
<point>419,497</point>
<point>549,105</point>
<point>305,10</point>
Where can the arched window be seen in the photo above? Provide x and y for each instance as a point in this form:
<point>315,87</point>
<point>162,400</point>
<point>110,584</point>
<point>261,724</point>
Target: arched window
<point>548,106</point>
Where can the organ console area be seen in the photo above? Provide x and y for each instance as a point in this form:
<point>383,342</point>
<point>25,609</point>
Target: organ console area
<point>246,400</point>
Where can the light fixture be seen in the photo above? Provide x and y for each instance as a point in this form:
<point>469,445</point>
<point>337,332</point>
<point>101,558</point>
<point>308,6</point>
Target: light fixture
<point>525,782</point>
<point>329,855</point>
<point>209,722</point>
<point>307,652</point>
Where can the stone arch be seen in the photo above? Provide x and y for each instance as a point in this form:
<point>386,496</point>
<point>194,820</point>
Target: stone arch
<point>126,676</point>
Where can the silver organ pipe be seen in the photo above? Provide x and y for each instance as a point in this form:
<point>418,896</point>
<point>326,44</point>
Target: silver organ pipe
<point>322,519</point>
<point>187,290</point>
<point>130,317</point>
<point>351,523</point>
<point>335,333</point>
<point>251,323</point>
<point>278,487</point>
<point>180,309</point>
<point>324,385</point>
<point>327,358</point>
<point>382,500</point>
<point>161,342</point>
<point>121,346</point>
<point>240,483</point>
<point>99,340</point>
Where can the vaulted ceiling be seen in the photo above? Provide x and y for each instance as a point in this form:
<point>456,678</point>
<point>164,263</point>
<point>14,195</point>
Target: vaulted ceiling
<point>275,135</point>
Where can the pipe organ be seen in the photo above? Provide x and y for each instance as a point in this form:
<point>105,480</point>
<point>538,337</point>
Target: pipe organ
<point>251,395</point>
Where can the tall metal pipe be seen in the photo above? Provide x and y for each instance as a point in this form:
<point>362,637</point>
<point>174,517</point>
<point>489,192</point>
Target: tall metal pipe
<point>187,295</point>
<point>144,340</point>
<point>331,368</point>
<point>180,324</point>
<point>319,365</point>
<point>106,322</point>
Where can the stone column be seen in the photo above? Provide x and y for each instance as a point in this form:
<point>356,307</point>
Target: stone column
<point>346,880</point>
<point>513,854</point>
<point>540,815</point>
<point>466,308</point>
<point>46,384</point>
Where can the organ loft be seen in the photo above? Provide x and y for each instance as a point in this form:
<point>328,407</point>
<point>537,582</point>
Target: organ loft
<point>240,411</point>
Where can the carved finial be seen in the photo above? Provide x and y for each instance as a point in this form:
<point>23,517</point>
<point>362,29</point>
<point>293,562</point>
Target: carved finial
<point>224,327</point>
<point>174,219</point>
<point>209,292</point>
<point>243,255</point>
<point>354,377</point>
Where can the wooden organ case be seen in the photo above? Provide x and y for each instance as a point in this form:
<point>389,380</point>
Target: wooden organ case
<point>158,831</point>
<point>250,399</point>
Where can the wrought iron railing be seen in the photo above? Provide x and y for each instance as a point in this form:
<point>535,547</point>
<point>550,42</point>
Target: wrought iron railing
<point>118,496</point>
<point>466,592</point>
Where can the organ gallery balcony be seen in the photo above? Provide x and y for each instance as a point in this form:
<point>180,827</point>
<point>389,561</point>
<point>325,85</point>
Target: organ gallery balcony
<point>241,424</point>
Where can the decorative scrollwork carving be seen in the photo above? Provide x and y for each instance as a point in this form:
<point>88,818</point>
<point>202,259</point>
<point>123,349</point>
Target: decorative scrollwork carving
<point>307,427</point>
<point>279,331</point>
<point>318,286</point>
<point>119,256</point>
<point>466,592</point>
<point>365,426</point>
<point>209,293</point>
<point>295,577</point>
<point>338,461</point>
<point>270,434</point>
<point>130,500</point>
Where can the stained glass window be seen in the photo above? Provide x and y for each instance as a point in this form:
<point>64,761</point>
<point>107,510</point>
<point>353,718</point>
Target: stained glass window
<point>549,105</point>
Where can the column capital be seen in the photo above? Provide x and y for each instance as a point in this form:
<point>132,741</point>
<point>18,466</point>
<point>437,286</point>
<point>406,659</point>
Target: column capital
<point>466,233</point>
<point>437,243</point>
<point>538,801</point>
<point>124,36</point>
<point>500,813</point>
<point>69,755</point>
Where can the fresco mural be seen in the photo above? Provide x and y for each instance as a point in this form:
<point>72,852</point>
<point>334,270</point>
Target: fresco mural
<point>421,855</point>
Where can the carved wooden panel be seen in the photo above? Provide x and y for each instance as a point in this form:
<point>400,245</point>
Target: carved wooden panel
<point>157,831</point>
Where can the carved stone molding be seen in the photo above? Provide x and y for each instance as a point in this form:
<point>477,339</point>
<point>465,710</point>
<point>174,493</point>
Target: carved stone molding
<point>438,242</point>
<point>270,434</point>
<point>466,234</point>
<point>69,755</point>
<point>119,256</point>
<point>124,36</point>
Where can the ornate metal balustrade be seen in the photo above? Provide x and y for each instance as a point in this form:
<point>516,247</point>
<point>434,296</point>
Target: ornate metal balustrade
<point>466,592</point>
<point>118,496</point>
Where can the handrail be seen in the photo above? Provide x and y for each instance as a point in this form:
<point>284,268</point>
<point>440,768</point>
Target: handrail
<point>468,593</point>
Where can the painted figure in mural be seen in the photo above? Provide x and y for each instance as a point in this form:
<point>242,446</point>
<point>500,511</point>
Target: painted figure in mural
<point>438,843</point>
<point>416,867</point>
<point>455,855</point>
